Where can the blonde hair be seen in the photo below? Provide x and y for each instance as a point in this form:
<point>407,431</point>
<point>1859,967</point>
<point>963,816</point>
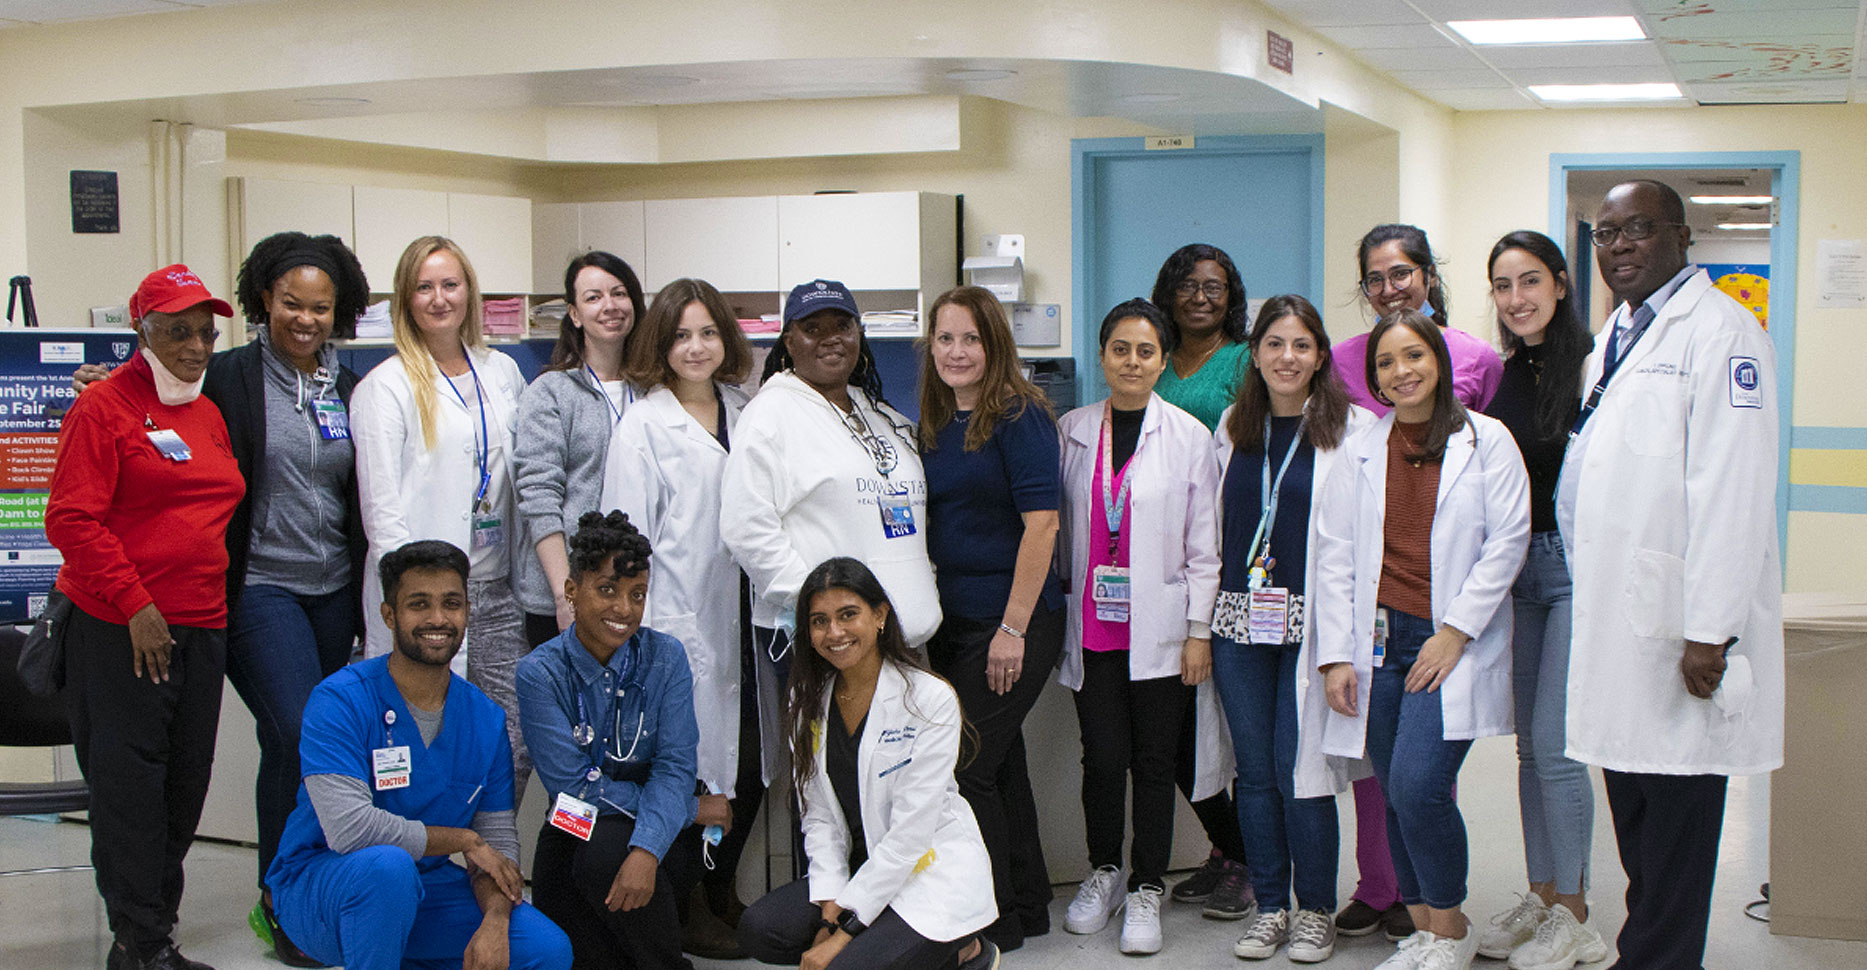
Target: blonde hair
<point>416,359</point>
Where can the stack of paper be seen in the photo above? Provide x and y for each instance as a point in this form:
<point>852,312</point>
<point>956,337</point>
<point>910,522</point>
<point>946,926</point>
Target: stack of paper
<point>374,323</point>
<point>504,318</point>
<point>891,322</point>
<point>547,319</point>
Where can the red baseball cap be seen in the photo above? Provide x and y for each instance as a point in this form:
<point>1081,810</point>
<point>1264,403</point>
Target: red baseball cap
<point>172,289</point>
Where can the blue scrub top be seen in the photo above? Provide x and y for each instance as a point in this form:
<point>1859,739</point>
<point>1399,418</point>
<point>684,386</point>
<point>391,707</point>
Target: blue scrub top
<point>467,770</point>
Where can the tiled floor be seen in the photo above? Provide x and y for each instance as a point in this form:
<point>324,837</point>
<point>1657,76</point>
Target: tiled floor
<point>54,921</point>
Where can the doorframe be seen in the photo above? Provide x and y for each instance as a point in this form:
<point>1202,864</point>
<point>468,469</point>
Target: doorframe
<point>1785,169</point>
<point>1086,154</point>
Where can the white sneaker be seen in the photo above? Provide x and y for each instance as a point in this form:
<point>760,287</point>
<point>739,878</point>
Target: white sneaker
<point>1096,900</point>
<point>1560,943</point>
<point>1140,928</point>
<point>1312,936</point>
<point>1514,927</point>
<point>1445,953</point>
<point>1268,931</point>
<point>1408,951</point>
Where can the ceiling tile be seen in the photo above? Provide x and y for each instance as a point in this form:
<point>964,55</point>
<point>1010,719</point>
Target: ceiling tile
<point>1494,99</point>
<point>1422,36</point>
<point>1635,54</point>
<point>54,11</point>
<point>1755,70</point>
<point>1766,92</point>
<point>1764,60</point>
<point>1592,75</point>
<point>1414,59</point>
<point>1422,80</point>
<point>1443,10</point>
<point>1347,13</point>
<point>1773,24</point>
<point>1706,8</point>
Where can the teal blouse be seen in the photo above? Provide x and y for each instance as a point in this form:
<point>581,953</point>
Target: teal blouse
<point>1211,389</point>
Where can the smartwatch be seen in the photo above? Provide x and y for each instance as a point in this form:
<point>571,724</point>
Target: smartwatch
<point>848,923</point>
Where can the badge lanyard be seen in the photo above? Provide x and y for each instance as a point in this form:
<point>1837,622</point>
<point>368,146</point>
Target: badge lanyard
<point>1261,561</point>
<point>1612,363</point>
<point>628,394</point>
<point>1114,507</point>
<point>483,445</point>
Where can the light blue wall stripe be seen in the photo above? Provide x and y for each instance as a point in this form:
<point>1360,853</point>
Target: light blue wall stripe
<point>1829,439</point>
<point>1828,498</point>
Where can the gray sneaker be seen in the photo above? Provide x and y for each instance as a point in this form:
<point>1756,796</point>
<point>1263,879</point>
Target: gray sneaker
<point>1268,931</point>
<point>1231,896</point>
<point>1312,936</point>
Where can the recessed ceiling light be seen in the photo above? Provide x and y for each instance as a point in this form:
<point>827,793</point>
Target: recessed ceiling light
<point>1733,199</point>
<point>1745,225</point>
<point>1606,92</point>
<point>1553,30</point>
<point>661,80</point>
<point>978,74</point>
<point>1154,97</point>
<point>331,102</point>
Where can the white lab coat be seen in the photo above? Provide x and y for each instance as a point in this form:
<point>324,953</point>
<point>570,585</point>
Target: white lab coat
<point>926,858</point>
<point>664,471</point>
<point>410,492</point>
<point>1668,510</point>
<point>1173,558</point>
<point>1317,775</point>
<point>1481,532</point>
<point>798,489</point>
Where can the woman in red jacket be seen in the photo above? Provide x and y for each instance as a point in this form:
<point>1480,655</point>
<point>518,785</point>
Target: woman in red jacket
<point>145,483</point>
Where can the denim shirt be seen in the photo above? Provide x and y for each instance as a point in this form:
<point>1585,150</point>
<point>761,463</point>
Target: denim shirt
<point>646,768</point>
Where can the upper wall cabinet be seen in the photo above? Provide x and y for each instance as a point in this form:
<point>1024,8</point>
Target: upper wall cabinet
<point>387,221</point>
<point>266,206</point>
<point>731,243</point>
<point>494,231</point>
<point>562,231</point>
<point>869,241</point>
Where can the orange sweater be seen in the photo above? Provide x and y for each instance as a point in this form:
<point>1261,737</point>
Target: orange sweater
<point>1407,531</point>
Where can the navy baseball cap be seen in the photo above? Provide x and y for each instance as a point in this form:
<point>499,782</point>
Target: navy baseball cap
<point>808,298</point>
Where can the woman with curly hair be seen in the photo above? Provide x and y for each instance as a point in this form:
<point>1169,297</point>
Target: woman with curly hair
<point>1203,296</point>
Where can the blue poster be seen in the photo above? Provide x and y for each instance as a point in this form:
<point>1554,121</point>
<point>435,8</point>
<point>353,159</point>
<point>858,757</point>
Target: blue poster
<point>35,393</point>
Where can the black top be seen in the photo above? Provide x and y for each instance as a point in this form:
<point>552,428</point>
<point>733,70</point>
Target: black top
<point>1243,495</point>
<point>840,764</point>
<point>1127,434</point>
<point>235,383</point>
<point>1515,406</point>
<point>976,501</point>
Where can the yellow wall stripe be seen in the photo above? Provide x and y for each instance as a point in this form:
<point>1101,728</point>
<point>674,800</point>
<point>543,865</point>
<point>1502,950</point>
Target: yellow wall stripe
<point>1816,466</point>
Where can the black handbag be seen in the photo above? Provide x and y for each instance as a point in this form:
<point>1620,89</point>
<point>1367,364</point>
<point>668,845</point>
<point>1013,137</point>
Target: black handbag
<point>42,656</point>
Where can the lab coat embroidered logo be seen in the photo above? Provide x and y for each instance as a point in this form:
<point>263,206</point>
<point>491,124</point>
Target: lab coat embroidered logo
<point>1746,383</point>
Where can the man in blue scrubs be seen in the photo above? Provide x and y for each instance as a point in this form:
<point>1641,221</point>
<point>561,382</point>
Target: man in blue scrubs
<point>406,764</point>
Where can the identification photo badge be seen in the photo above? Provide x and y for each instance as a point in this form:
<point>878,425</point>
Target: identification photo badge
<point>393,767</point>
<point>897,514</point>
<point>333,420</point>
<point>573,815</point>
<point>1111,589</point>
<point>170,444</point>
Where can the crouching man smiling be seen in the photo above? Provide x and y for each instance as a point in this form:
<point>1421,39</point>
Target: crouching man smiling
<point>406,764</point>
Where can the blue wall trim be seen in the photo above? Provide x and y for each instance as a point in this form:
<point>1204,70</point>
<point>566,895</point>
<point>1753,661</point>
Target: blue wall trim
<point>1829,439</point>
<point>1828,498</point>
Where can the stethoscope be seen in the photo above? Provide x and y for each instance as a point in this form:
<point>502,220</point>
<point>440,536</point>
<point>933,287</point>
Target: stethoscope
<point>585,734</point>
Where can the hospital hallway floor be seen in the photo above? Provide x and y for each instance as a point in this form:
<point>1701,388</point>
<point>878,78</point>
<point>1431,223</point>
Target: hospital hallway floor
<point>54,921</point>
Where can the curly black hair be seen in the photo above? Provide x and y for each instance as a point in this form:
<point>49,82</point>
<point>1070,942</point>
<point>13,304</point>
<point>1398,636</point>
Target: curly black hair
<point>865,375</point>
<point>281,252</point>
<point>603,541</point>
<point>1179,266</point>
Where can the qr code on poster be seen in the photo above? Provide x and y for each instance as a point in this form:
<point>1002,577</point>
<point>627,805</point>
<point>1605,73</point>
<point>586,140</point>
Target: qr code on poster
<point>35,604</point>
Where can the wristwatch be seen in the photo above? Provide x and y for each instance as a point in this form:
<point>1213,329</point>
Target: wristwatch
<point>848,923</point>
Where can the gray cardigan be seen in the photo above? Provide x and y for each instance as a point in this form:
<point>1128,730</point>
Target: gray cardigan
<point>565,424</point>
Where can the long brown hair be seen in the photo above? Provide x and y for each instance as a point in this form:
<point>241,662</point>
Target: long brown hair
<point>1003,390</point>
<point>645,360</point>
<point>568,352</point>
<point>409,347</point>
<point>1448,413</point>
<point>1325,415</point>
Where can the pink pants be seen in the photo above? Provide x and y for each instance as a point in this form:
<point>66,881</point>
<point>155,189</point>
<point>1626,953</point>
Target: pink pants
<point>1378,887</point>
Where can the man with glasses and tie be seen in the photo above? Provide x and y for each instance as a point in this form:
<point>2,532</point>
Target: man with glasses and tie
<point>1667,510</point>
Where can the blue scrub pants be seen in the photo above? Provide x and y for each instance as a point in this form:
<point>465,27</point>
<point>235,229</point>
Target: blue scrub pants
<point>373,910</point>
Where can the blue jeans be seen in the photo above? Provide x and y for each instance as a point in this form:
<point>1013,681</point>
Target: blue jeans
<point>279,646</point>
<point>1283,833</point>
<point>1558,804</point>
<point>1417,767</point>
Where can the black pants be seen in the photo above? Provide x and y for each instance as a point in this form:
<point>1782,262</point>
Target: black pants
<point>992,773</point>
<point>1667,827</point>
<point>146,750</point>
<point>540,629</point>
<point>1129,727</point>
<point>571,878</point>
<point>779,928</point>
<point>1217,814</point>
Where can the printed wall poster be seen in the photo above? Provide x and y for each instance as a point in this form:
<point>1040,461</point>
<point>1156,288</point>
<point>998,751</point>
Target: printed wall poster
<point>1747,284</point>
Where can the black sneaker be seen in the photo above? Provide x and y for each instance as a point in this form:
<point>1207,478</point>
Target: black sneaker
<point>1397,923</point>
<point>1358,919</point>
<point>167,958</point>
<point>1197,888</point>
<point>985,959</point>
<point>1232,898</point>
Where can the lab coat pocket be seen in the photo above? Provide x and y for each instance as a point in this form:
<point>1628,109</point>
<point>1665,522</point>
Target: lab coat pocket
<point>1173,627</point>
<point>1655,596</point>
<point>685,627</point>
<point>1657,429</point>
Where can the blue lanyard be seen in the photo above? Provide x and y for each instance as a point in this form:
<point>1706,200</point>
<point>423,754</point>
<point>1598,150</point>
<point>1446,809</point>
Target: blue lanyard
<point>483,445</point>
<point>1611,362</point>
<point>627,391</point>
<point>1260,543</point>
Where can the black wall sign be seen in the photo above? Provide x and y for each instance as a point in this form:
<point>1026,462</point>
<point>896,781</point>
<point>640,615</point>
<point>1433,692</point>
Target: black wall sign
<point>94,202</point>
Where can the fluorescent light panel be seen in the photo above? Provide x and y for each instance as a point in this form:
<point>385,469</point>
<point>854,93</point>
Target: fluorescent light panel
<point>1606,92</point>
<point>1553,30</point>
<point>1733,199</point>
<point>1745,225</point>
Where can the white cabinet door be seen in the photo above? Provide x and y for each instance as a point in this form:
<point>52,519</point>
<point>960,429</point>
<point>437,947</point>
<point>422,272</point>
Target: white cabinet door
<point>555,242</point>
<point>268,206</point>
<point>869,241</point>
<point>614,227</point>
<point>495,231</point>
<point>387,220</point>
<point>731,243</point>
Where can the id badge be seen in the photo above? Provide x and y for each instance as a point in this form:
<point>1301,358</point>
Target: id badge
<point>170,444</point>
<point>574,815</point>
<point>897,514</point>
<point>333,420</point>
<point>488,531</point>
<point>1111,589</point>
<point>392,767</point>
<point>1380,635</point>
<point>1269,619</point>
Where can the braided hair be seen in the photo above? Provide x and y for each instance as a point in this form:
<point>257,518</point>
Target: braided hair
<point>608,541</point>
<point>282,252</point>
<point>866,375</point>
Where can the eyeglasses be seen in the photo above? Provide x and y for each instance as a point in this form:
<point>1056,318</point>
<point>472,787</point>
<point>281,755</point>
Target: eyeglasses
<point>1635,229</point>
<point>1215,290</point>
<point>1399,277</point>
<point>179,333</point>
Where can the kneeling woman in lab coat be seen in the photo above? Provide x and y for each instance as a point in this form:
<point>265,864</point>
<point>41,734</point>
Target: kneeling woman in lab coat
<point>898,875</point>
<point>1420,532</point>
<point>1140,500</point>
